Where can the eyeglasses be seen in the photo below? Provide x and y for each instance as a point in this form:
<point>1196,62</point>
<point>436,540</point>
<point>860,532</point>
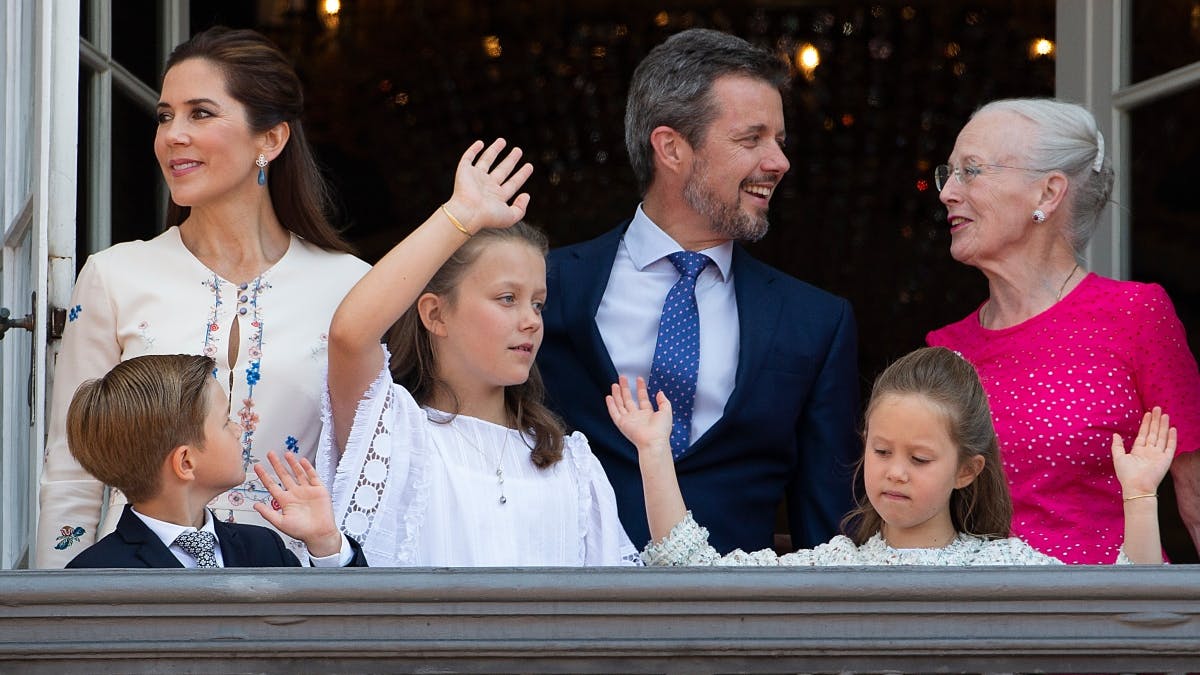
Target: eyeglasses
<point>966,174</point>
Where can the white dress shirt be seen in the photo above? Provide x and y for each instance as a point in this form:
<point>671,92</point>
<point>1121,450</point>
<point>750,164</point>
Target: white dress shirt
<point>169,532</point>
<point>631,308</point>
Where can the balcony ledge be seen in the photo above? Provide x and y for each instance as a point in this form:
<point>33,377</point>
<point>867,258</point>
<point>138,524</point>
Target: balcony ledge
<point>1072,619</point>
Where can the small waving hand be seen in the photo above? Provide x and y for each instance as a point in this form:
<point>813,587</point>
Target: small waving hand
<point>305,511</point>
<point>650,431</point>
<point>1147,462</point>
<point>484,188</point>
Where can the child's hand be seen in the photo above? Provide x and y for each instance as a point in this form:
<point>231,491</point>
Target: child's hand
<point>650,431</point>
<point>482,192</point>
<point>1144,466</point>
<point>305,510</point>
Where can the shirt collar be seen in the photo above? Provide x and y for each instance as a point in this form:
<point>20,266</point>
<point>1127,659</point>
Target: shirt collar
<point>169,532</point>
<point>647,244</point>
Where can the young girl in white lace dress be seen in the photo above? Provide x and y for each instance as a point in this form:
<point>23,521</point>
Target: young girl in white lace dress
<point>935,491</point>
<point>457,462</point>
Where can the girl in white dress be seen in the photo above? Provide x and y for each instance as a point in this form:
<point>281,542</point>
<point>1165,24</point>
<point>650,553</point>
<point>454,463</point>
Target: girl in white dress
<point>451,458</point>
<point>935,491</point>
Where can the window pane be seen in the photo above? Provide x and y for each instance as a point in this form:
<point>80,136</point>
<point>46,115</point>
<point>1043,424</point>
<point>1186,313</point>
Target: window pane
<point>135,173</point>
<point>1165,233</point>
<point>1166,36</point>
<point>84,186</point>
<point>135,38</point>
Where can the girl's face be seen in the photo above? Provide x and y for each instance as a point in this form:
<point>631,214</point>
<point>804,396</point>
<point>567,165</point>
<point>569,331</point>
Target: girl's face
<point>204,144</point>
<point>488,334</point>
<point>910,468</point>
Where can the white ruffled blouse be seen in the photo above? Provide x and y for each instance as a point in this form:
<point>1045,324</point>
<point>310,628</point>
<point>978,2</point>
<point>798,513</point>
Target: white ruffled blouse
<point>417,490</point>
<point>687,544</point>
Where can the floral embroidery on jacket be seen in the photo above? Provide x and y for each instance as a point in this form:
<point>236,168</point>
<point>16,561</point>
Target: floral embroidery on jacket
<point>74,312</point>
<point>68,535</point>
<point>142,328</point>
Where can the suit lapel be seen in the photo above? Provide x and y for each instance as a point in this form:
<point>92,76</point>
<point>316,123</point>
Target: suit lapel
<point>233,548</point>
<point>758,317</point>
<point>146,545</point>
<point>584,273</point>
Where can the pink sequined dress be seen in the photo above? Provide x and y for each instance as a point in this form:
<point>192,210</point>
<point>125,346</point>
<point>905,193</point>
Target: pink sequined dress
<point>1059,385</point>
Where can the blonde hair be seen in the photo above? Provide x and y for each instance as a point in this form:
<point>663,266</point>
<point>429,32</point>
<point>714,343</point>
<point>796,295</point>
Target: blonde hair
<point>949,382</point>
<point>122,426</point>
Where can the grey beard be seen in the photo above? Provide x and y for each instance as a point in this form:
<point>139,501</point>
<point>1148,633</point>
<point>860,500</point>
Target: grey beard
<point>726,220</point>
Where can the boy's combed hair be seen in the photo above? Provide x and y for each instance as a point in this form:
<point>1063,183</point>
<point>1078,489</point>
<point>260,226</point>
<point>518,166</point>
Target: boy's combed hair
<point>122,426</point>
<point>413,366</point>
<point>945,379</point>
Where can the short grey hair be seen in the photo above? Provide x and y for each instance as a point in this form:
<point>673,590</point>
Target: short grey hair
<point>671,87</point>
<point>1067,140</point>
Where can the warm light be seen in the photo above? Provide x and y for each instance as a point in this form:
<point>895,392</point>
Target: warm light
<point>1041,47</point>
<point>329,13</point>
<point>662,19</point>
<point>807,60</point>
<point>491,46</point>
<point>808,57</point>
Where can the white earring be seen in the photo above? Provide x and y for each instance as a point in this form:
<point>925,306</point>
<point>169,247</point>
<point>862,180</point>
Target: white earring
<point>1039,216</point>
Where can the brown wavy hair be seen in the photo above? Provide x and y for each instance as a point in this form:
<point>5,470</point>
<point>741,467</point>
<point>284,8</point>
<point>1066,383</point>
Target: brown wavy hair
<point>122,426</point>
<point>983,508</point>
<point>413,365</point>
<point>262,79</point>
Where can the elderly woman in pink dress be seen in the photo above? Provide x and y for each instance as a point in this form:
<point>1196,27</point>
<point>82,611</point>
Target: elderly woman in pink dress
<point>1067,357</point>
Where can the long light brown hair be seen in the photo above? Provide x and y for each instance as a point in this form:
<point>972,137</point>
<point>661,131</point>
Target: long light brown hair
<point>949,382</point>
<point>413,364</point>
<point>259,76</point>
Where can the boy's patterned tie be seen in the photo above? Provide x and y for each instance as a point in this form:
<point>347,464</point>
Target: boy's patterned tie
<point>199,545</point>
<point>677,352</point>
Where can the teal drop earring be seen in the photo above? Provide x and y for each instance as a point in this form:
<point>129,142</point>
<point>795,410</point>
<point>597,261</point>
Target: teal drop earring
<point>261,163</point>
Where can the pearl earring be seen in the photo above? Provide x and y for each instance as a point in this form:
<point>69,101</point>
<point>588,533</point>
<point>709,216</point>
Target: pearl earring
<point>261,163</point>
<point>1039,216</point>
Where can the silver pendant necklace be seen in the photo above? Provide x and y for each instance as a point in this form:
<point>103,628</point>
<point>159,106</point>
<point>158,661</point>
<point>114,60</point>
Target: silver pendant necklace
<point>499,463</point>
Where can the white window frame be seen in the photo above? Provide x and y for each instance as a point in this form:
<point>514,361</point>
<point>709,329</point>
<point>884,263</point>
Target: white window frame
<point>1094,54</point>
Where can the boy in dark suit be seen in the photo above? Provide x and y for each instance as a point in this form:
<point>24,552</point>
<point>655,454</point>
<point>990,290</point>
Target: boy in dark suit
<point>158,429</point>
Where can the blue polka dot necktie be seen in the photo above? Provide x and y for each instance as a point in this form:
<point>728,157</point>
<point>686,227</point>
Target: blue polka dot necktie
<point>200,545</point>
<point>677,352</point>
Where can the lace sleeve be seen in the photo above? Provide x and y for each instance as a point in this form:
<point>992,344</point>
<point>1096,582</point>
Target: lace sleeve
<point>380,478</point>
<point>687,544</point>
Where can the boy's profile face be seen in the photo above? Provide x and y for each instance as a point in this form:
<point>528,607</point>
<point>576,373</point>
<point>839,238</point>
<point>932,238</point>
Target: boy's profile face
<point>219,460</point>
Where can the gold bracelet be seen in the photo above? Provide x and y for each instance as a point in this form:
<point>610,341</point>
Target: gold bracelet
<point>454,221</point>
<point>1129,499</point>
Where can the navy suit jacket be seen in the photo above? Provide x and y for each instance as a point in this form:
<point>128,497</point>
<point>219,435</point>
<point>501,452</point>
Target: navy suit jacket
<point>133,544</point>
<point>789,427</point>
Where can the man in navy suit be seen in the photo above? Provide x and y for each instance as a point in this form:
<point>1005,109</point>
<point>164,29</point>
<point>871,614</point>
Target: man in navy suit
<point>776,391</point>
<point>158,429</point>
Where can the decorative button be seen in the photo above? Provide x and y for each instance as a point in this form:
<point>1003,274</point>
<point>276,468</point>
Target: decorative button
<point>241,310</point>
<point>243,287</point>
<point>243,298</point>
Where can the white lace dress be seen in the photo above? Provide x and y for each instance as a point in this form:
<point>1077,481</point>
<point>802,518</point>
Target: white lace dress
<point>419,492</point>
<point>687,544</point>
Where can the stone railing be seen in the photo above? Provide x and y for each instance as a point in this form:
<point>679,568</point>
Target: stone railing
<point>1083,619</point>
